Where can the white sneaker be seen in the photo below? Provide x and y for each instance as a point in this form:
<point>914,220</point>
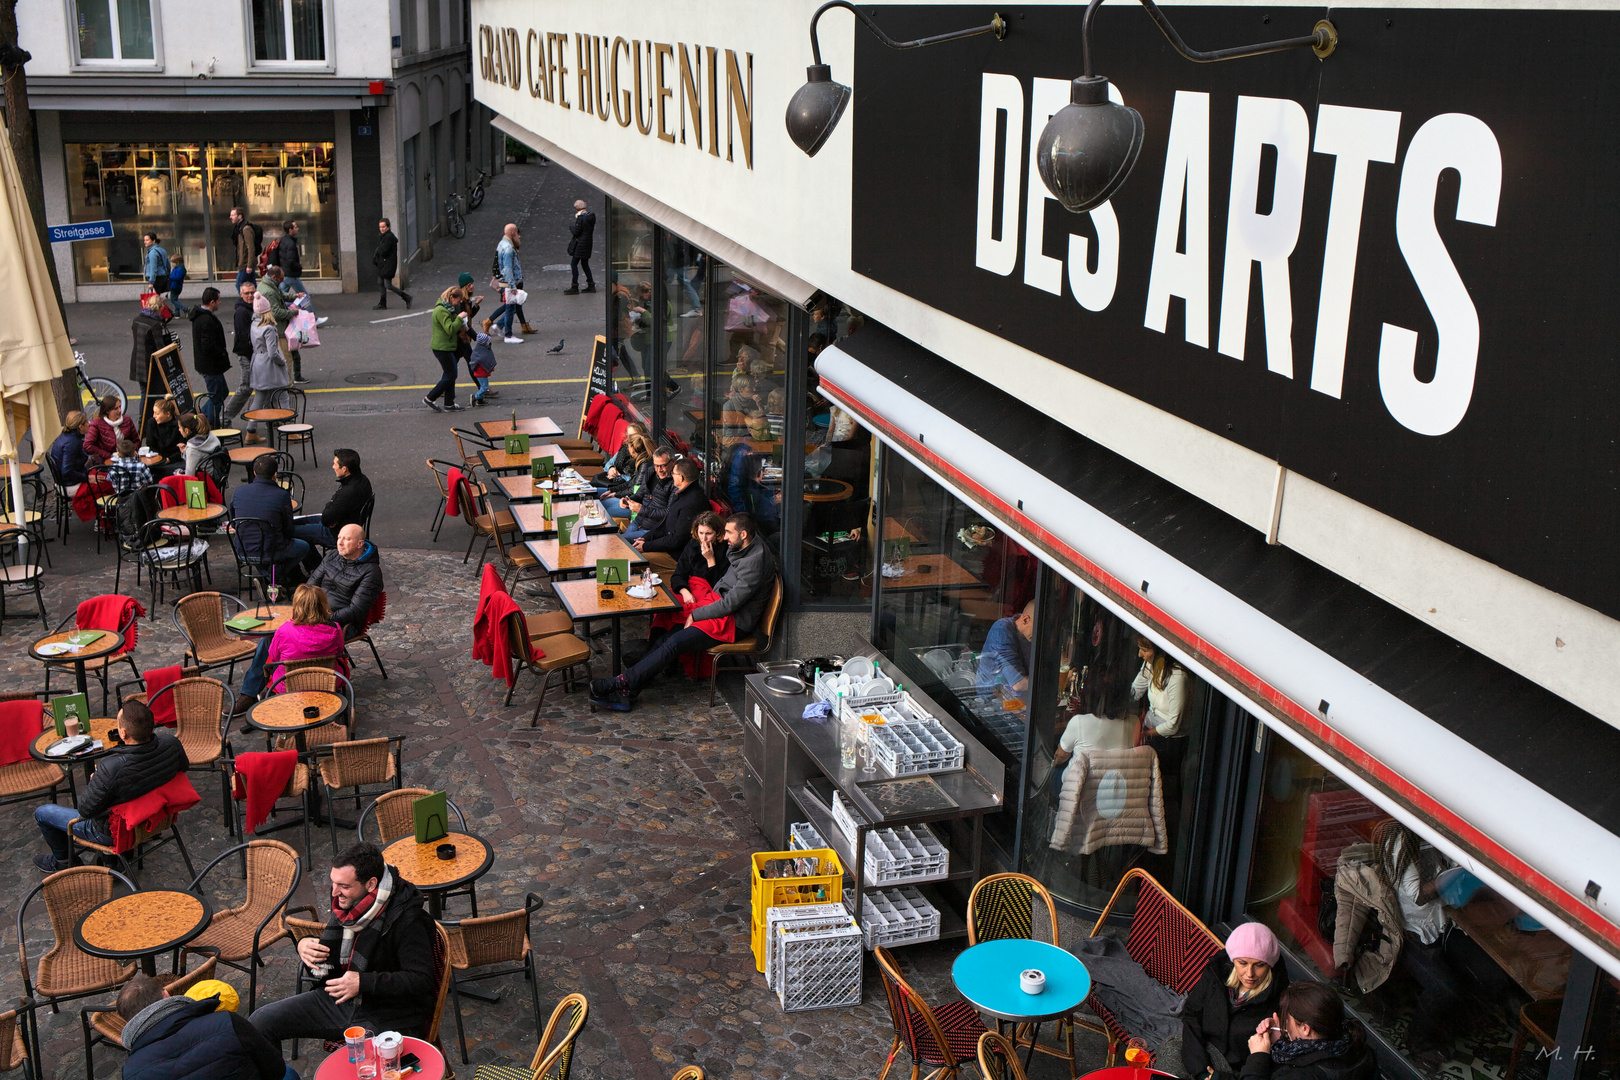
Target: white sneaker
<point>514,341</point>
<point>320,320</point>
<point>694,313</point>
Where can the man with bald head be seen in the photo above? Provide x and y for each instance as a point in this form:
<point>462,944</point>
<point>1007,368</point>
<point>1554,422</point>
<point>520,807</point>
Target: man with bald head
<point>353,579</point>
<point>511,274</point>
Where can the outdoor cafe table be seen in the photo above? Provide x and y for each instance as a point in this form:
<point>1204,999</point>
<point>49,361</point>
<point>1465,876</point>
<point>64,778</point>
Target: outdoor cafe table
<point>430,1062</point>
<point>583,601</point>
<point>521,488</point>
<point>988,975</point>
<point>270,418</point>
<point>108,643</point>
<point>140,925</point>
<point>535,427</point>
<point>568,559</point>
<point>283,714</point>
<point>100,727</point>
<point>420,864</point>
<point>274,616</point>
<point>245,456</point>
<point>498,461</point>
<point>532,521</point>
<point>190,516</point>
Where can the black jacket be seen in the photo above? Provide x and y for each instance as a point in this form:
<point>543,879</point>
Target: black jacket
<point>675,529</point>
<point>691,564</point>
<point>242,339</point>
<point>68,453</point>
<point>654,500</point>
<point>208,354</point>
<point>149,338</point>
<point>269,502</point>
<point>744,588</point>
<point>164,437</point>
<point>351,587</point>
<point>188,1040</point>
<point>385,256</point>
<point>1356,1063</point>
<point>583,230</point>
<point>1208,1016</point>
<point>350,498</point>
<point>130,772</point>
<point>287,257</point>
<point>397,990</point>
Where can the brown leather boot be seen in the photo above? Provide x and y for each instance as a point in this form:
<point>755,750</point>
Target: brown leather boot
<point>527,329</point>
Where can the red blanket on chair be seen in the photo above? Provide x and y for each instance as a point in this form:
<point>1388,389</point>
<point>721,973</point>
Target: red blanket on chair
<point>20,724</point>
<point>452,481</point>
<point>84,500</point>
<point>489,628</point>
<point>111,612</point>
<point>260,779</point>
<point>176,486</point>
<point>162,708</point>
<point>149,809</point>
<point>698,665</point>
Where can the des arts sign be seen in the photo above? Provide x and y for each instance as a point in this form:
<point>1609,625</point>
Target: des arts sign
<point>1392,271</point>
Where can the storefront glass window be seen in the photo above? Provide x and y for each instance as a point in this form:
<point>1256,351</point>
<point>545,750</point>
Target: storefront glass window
<point>839,460</point>
<point>1124,711</point>
<point>630,343</point>
<point>114,29</point>
<point>686,330</point>
<point>280,23</point>
<point>184,193</point>
<point>746,387</point>
<point>1467,961</point>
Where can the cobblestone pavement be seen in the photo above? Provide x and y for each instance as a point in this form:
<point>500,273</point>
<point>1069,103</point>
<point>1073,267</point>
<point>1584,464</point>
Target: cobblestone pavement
<point>631,827</point>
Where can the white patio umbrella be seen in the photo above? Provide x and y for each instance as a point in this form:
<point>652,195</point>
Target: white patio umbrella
<point>34,345</point>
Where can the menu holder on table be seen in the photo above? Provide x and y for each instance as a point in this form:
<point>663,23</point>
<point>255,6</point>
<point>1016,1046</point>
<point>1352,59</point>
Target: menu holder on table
<point>196,495</point>
<point>542,468</point>
<point>565,530</point>
<point>82,638</point>
<point>429,814</point>
<point>71,707</point>
<point>517,443</point>
<point>613,571</point>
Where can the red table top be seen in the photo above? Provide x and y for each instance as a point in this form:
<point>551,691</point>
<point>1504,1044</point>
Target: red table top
<point>338,1067</point>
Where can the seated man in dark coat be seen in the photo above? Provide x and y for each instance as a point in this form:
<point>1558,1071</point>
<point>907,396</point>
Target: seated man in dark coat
<point>145,762</point>
<point>665,540</point>
<point>176,1038</point>
<point>269,502</point>
<point>347,506</point>
<point>353,579</point>
<point>373,964</point>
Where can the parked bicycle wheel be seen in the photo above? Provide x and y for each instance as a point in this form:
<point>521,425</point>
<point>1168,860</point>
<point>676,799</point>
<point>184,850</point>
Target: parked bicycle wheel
<point>458,224</point>
<point>91,391</point>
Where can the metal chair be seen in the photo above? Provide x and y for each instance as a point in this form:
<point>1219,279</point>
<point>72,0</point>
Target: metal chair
<point>293,484</point>
<point>252,542</point>
<point>390,814</point>
<point>441,476</point>
<point>62,498</point>
<point>201,618</point>
<point>105,501</point>
<point>567,1019</point>
<point>469,444</point>
<point>484,520</point>
<point>66,972</point>
<point>170,550</point>
<point>754,645</point>
<point>487,942</point>
<point>517,562</point>
<point>560,652</point>
<point>20,569</point>
<point>217,467</point>
<point>941,1039</point>
<point>360,764</point>
<point>1003,906</point>
<point>132,512</point>
<point>294,430</point>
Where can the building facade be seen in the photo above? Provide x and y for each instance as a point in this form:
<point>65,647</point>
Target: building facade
<point>1297,452</point>
<point>161,115</point>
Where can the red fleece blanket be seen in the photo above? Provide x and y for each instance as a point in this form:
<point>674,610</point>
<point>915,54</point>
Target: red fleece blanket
<point>84,500</point>
<point>111,612</point>
<point>162,707</point>
<point>260,779</point>
<point>698,665</point>
<point>20,724</point>
<point>149,809</point>
<point>489,636</point>
<point>176,486</point>
<point>453,480</point>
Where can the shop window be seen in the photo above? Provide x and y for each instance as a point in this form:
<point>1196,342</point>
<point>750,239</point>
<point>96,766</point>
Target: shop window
<point>1469,966</point>
<point>631,328</point>
<point>288,30</point>
<point>114,29</point>
<point>686,329</point>
<point>839,460</point>
<point>743,455</point>
<point>1114,762</point>
<point>185,192</point>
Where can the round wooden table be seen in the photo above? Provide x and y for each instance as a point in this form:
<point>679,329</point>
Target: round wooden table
<point>247,455</point>
<point>101,727</point>
<point>108,643</point>
<point>337,1065</point>
<point>823,489</point>
<point>191,516</point>
<point>283,714</point>
<point>270,418</point>
<point>420,864</point>
<point>28,468</point>
<point>142,924</point>
<point>274,616</point>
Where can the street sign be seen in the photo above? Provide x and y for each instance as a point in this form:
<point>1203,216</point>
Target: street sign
<point>81,230</point>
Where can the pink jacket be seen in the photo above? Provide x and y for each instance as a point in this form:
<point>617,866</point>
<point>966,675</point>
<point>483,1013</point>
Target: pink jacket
<point>294,642</point>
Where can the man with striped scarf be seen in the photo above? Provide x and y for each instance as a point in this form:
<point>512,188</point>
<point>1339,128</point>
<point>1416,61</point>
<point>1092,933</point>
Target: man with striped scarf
<point>373,964</point>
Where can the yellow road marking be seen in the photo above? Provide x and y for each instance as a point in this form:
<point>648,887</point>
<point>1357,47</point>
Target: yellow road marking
<point>429,386</point>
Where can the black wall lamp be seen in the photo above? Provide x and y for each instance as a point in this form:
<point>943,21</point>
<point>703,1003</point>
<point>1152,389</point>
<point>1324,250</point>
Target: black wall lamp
<point>817,106</point>
<point>1087,149</point>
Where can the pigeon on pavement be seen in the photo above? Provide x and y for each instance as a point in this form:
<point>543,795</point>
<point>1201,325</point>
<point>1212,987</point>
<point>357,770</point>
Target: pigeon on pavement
<point>557,348</point>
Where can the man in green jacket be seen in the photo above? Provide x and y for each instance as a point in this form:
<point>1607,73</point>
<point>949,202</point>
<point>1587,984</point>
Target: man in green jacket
<point>448,325</point>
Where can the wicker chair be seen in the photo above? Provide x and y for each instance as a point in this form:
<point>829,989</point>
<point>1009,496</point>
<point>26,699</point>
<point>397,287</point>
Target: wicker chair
<point>66,972</point>
<point>485,521</point>
<point>202,708</point>
<point>486,942</point>
<point>756,644</point>
<point>689,1072</point>
<point>103,1026</point>
<point>201,618</point>
<point>998,1058</point>
<point>13,1046</point>
<point>27,780</point>
<point>242,933</point>
<point>298,787</point>
<point>941,1039</point>
<point>146,839</point>
<point>1003,906</point>
<point>563,652</point>
<point>392,818</point>
<point>566,1021</point>
<point>99,666</point>
<point>360,764</point>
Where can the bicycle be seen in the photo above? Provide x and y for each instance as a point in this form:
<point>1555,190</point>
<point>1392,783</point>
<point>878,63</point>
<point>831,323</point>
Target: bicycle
<point>456,224</point>
<point>475,196</point>
<point>92,390</point>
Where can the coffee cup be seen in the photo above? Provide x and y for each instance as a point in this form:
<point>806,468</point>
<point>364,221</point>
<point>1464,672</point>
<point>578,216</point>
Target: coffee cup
<point>72,725</point>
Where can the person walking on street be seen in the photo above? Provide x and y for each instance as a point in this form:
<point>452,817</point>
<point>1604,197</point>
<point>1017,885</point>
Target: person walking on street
<point>274,288</point>
<point>583,230</point>
<point>385,259</point>
<point>150,336</point>
<point>511,272</point>
<point>447,328</point>
<point>289,256</point>
<point>242,346</point>
<point>248,238</point>
<point>208,354</point>
<point>156,266</point>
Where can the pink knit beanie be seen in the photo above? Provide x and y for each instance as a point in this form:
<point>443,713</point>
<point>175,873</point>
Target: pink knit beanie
<point>1253,941</point>
<point>260,305</point>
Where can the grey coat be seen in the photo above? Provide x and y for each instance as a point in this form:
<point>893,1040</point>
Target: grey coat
<point>744,588</point>
<point>269,370</point>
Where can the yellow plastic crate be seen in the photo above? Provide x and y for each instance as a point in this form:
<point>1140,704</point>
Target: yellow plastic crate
<point>825,888</point>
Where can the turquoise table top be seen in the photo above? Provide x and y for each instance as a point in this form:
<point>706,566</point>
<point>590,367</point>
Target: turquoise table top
<point>988,976</point>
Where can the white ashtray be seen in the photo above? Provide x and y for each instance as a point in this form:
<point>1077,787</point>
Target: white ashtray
<point>1033,981</point>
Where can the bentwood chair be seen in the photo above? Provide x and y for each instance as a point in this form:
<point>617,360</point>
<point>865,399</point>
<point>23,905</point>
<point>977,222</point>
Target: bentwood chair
<point>1003,906</point>
<point>998,1058</point>
<point>941,1039</point>
<point>497,945</point>
<point>21,573</point>
<point>563,651</point>
<point>754,645</point>
<point>104,1027</point>
<point>66,972</point>
<point>242,933</point>
<point>441,477</point>
<point>567,1019</point>
<point>517,562</point>
<point>473,502</point>
<point>294,430</point>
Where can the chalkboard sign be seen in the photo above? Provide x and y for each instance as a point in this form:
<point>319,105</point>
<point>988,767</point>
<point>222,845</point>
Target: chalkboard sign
<point>600,380</point>
<point>167,362</point>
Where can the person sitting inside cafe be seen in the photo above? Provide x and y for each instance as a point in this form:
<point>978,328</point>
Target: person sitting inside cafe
<point>310,633</point>
<point>269,502</point>
<point>353,579</point>
<point>347,506</point>
<point>373,964</point>
<point>743,591</point>
<point>664,541</point>
<point>143,763</point>
<point>1004,661</point>
<point>648,504</point>
<point>178,1038</point>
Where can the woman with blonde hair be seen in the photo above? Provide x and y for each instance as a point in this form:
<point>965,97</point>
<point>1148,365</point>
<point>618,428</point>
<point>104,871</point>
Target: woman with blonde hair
<point>268,371</point>
<point>637,471</point>
<point>67,452</point>
<point>310,633</point>
<point>1239,988</point>
<point>449,323</point>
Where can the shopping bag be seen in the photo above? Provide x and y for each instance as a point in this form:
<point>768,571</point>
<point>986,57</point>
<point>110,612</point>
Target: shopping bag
<point>301,333</point>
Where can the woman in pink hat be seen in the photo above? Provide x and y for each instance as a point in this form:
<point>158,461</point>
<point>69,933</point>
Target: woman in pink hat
<point>1238,989</point>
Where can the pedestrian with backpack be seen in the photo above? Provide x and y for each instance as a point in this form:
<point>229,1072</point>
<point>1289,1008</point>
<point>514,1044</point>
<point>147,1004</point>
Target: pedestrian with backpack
<point>248,238</point>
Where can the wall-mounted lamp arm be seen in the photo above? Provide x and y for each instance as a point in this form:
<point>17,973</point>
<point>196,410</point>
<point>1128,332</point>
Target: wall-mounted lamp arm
<point>1322,39</point>
<point>996,26</point>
